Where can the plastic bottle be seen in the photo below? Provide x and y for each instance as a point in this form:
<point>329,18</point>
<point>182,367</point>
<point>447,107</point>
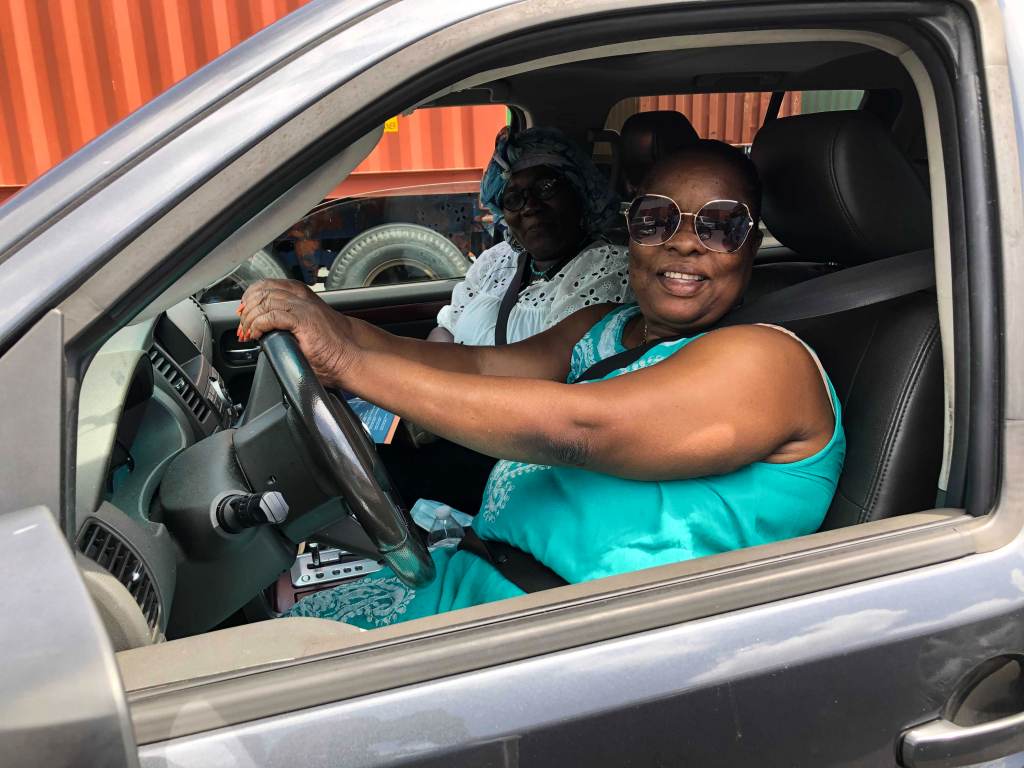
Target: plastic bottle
<point>445,532</point>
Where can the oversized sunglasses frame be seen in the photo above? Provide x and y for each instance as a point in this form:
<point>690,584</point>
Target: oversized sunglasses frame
<point>683,214</point>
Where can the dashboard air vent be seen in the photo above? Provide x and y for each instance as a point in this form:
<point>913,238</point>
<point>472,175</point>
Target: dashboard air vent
<point>179,382</point>
<point>109,551</point>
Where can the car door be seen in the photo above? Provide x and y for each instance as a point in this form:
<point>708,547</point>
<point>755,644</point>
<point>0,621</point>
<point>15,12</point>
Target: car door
<point>63,700</point>
<point>839,650</point>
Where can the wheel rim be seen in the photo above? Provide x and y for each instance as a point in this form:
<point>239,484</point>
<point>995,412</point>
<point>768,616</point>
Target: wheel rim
<point>399,270</point>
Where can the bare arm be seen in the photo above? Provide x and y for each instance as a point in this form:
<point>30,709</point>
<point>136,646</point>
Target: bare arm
<point>324,333</point>
<point>736,396</point>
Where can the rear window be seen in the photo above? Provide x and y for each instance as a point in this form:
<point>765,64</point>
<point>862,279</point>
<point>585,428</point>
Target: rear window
<point>732,117</point>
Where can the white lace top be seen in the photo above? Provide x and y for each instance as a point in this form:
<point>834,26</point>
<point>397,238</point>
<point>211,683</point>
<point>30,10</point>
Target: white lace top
<point>598,275</point>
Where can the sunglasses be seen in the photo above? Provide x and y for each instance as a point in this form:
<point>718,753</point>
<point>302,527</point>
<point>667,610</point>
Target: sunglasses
<point>720,225</point>
<point>542,189</point>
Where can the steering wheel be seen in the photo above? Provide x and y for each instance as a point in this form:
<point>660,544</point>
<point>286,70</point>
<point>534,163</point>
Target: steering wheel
<point>337,436</point>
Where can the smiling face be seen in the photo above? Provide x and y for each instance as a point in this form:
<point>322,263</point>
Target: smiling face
<point>682,286</point>
<point>549,229</point>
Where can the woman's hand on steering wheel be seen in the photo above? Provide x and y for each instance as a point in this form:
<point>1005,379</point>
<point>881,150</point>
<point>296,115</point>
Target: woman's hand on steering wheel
<point>326,337</point>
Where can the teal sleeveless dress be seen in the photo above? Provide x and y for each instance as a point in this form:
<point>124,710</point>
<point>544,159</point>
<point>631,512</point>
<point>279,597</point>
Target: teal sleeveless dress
<point>585,525</point>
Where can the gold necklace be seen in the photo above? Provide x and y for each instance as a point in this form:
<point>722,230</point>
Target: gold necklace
<point>645,333</point>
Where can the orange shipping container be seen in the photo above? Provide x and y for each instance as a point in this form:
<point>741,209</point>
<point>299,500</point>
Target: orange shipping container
<point>72,68</point>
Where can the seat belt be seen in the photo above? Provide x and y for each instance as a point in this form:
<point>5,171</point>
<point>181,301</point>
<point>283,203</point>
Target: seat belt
<point>519,282</point>
<point>830,294</point>
<point>509,300</point>
<point>522,569</point>
<point>774,107</point>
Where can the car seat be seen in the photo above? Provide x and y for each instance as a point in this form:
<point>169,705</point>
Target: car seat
<point>837,188</point>
<point>646,137</point>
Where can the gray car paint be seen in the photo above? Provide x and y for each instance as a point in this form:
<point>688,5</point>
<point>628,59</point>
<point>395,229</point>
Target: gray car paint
<point>57,657</point>
<point>807,682</point>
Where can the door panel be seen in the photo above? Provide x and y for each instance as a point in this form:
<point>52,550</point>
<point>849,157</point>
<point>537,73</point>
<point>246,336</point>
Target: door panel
<point>830,679</point>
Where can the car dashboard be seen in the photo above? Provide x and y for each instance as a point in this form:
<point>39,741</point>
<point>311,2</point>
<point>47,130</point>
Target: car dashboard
<point>149,393</point>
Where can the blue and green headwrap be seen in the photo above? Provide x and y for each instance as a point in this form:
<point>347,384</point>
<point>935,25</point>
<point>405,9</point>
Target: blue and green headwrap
<point>551,148</point>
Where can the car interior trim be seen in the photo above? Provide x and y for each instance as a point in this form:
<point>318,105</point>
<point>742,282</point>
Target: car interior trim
<point>982,223</point>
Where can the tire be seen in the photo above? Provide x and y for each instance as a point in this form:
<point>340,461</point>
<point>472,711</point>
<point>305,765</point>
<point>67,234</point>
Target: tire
<point>261,265</point>
<point>395,253</point>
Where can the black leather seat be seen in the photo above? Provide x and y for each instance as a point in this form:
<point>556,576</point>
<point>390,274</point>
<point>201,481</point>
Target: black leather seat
<point>836,188</point>
<point>646,137</point>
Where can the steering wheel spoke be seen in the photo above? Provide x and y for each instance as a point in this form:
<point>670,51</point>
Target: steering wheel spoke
<point>337,437</point>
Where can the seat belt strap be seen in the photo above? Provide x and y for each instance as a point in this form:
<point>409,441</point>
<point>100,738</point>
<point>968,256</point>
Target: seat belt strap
<point>830,294</point>
<point>774,107</point>
<point>509,300</point>
<point>841,291</point>
<point>521,568</point>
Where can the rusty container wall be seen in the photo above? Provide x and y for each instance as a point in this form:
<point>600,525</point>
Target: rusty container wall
<point>69,69</point>
<point>72,68</point>
<point>437,146</point>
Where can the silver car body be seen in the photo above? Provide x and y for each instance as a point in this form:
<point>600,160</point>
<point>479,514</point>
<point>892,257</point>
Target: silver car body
<point>842,649</point>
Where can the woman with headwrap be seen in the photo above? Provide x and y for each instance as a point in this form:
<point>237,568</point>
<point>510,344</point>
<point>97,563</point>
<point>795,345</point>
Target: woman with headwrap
<point>555,205</point>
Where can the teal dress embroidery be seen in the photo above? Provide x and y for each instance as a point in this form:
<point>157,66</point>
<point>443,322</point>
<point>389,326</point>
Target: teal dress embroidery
<point>586,525</point>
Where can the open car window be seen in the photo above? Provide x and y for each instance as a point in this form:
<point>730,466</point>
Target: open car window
<point>408,213</point>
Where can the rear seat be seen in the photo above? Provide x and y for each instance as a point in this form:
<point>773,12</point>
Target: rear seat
<point>647,137</point>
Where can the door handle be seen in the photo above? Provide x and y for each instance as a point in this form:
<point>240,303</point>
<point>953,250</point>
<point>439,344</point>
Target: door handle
<point>942,744</point>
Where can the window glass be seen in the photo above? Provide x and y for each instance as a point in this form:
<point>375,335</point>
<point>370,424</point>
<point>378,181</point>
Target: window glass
<point>409,212</point>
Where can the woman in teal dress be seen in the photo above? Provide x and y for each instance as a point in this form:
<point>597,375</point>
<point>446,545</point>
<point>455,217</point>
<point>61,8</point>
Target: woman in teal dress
<point>704,442</point>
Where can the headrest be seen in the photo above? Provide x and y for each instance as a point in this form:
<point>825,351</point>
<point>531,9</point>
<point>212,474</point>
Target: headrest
<point>835,185</point>
<point>647,136</point>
